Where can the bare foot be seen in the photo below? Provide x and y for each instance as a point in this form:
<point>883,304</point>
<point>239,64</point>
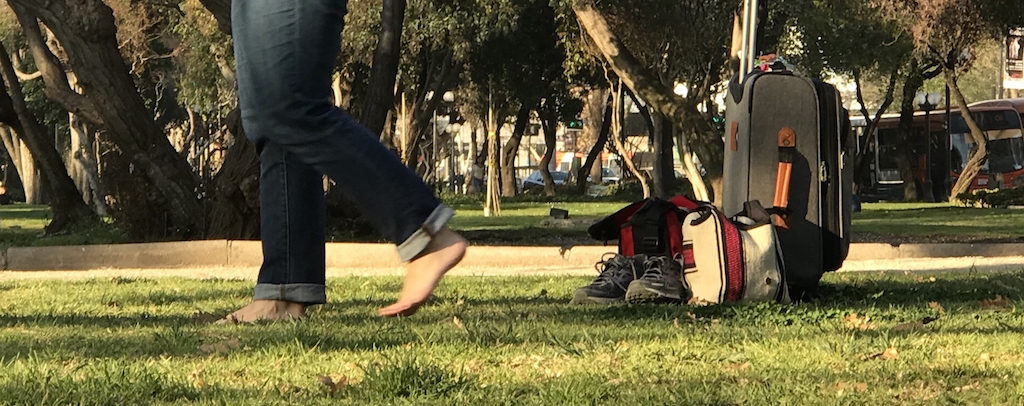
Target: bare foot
<point>423,273</point>
<point>266,310</point>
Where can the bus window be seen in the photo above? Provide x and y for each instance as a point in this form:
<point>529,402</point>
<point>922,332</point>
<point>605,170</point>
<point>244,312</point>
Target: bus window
<point>987,121</point>
<point>1006,155</point>
<point>887,170</point>
<point>960,151</point>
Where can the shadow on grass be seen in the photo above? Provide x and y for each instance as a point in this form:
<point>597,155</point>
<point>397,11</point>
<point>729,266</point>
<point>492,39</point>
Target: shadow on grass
<point>529,236</point>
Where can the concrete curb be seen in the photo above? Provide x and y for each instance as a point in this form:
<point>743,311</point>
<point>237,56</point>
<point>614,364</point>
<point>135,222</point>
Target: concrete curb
<point>149,255</point>
<point>874,251</point>
<point>226,253</point>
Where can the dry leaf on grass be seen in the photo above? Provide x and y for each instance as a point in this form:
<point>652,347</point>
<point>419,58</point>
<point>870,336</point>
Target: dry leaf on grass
<point>196,377</point>
<point>844,387</point>
<point>856,322</point>
<point>971,386</point>
<point>997,303</point>
<point>937,307</point>
<point>458,323</point>
<point>334,383</point>
<point>737,367</point>
<point>887,355</point>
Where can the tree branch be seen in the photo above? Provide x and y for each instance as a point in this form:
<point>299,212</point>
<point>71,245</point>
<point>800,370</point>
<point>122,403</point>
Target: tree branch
<point>221,10</point>
<point>626,66</point>
<point>50,68</point>
<point>23,76</point>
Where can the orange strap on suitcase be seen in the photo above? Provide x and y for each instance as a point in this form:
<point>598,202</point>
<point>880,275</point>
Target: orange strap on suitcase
<point>787,148</point>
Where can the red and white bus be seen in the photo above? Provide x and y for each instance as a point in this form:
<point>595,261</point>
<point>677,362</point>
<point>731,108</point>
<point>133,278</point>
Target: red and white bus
<point>1002,121</point>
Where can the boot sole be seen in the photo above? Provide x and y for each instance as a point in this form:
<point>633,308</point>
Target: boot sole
<point>642,294</point>
<point>581,298</point>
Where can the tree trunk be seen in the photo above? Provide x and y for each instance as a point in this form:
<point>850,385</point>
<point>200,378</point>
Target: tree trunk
<point>907,134</point>
<point>87,32</point>
<point>233,207</point>
<point>24,167</point>
<point>663,160</point>
<point>620,146</point>
<point>973,166</point>
<point>68,208</point>
<point>79,135</point>
<point>637,77</point>
<point>492,206</point>
<point>595,151</point>
<point>508,155</point>
<point>381,92</point>
<point>547,123</point>
<point>87,164</point>
<point>82,163</point>
<point>439,80</point>
<point>862,168</point>
<point>234,211</point>
<point>31,177</point>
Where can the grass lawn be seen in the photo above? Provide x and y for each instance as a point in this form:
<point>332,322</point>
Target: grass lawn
<point>514,341</point>
<point>22,224</point>
<point>937,222</point>
<point>521,223</point>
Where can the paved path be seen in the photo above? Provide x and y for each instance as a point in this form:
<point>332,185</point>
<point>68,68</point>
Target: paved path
<point>1015,263</point>
<point>248,254</point>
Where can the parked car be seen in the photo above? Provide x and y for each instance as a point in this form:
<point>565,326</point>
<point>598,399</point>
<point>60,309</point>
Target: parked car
<point>609,176</point>
<point>536,181</point>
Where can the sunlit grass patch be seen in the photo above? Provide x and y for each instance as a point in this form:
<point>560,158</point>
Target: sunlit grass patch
<point>873,339</point>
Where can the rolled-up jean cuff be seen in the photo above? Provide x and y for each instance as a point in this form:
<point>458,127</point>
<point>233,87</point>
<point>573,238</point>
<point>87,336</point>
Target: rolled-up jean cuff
<point>417,242</point>
<point>308,293</point>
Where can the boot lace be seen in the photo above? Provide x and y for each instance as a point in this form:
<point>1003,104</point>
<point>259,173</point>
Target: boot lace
<point>610,265</point>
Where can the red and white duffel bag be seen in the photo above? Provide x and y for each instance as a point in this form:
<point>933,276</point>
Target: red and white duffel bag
<point>733,259</point>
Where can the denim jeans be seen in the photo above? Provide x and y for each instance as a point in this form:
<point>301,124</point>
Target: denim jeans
<point>286,52</point>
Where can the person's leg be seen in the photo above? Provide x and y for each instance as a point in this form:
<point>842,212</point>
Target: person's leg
<point>286,51</point>
<point>292,229</point>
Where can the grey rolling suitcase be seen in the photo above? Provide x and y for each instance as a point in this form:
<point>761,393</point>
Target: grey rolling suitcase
<point>758,112</point>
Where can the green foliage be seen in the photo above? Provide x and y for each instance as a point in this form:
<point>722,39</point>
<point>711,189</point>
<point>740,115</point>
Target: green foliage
<point>680,41</point>
<point>518,60</point>
<point>205,63</point>
<point>844,36</point>
<point>993,198</point>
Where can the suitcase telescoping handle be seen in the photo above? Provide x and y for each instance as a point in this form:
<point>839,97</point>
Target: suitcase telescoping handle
<point>787,151</point>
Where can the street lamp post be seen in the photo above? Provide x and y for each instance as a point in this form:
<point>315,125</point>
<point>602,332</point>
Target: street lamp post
<point>928,102</point>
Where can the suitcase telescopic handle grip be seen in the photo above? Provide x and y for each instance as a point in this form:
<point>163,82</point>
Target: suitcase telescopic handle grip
<point>787,150</point>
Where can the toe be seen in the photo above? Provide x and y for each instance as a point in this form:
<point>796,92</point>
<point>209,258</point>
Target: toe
<point>398,310</point>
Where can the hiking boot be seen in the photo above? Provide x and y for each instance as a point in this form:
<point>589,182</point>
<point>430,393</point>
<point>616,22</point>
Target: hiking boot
<point>615,274</point>
<point>661,283</point>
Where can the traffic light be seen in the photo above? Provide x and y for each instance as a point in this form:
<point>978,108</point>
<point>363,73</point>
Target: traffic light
<point>575,123</point>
